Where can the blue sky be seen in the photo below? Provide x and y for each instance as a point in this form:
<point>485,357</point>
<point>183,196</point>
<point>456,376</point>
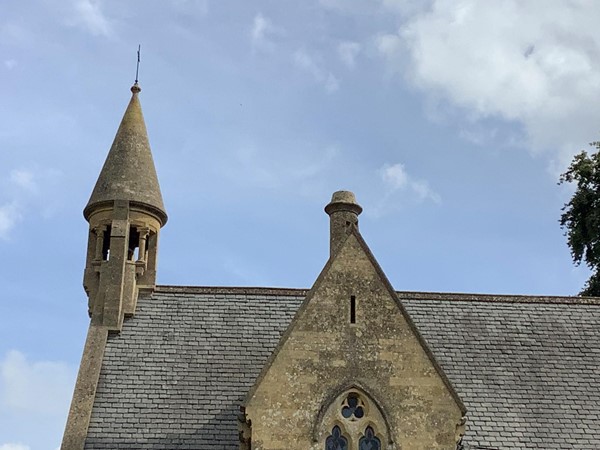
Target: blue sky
<point>450,120</point>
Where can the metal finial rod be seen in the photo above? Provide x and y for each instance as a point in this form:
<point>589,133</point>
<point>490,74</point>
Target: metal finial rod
<point>137,69</point>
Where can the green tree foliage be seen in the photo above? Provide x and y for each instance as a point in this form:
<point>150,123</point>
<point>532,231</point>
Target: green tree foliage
<point>581,215</point>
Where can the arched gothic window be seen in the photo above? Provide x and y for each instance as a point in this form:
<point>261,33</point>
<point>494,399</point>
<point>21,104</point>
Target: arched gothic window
<point>353,422</point>
<point>336,441</point>
<point>369,441</point>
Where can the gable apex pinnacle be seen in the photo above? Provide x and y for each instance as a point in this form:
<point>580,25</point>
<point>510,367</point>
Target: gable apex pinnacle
<point>343,212</point>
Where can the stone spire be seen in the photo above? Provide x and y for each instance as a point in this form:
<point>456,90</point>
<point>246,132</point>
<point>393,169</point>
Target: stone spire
<point>128,172</point>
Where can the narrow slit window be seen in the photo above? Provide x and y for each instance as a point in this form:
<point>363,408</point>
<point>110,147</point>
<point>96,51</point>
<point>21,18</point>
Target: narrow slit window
<point>352,309</point>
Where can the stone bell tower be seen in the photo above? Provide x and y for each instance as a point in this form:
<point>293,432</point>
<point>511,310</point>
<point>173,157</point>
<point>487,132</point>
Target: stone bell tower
<point>125,213</point>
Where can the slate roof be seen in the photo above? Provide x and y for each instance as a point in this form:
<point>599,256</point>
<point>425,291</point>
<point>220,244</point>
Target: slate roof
<point>527,368</point>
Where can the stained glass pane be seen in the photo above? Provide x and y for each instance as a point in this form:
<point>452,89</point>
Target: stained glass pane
<point>352,401</point>
<point>336,441</point>
<point>369,441</point>
<point>353,407</point>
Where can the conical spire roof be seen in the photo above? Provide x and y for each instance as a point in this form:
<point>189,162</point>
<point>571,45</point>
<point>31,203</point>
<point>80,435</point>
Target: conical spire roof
<point>128,172</point>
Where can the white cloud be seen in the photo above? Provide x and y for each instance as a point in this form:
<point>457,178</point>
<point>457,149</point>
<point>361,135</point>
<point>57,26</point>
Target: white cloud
<point>13,446</point>
<point>26,188</point>
<point>309,64</point>
<point>395,176</point>
<point>89,16</point>
<point>332,84</point>
<point>23,179</point>
<point>423,191</point>
<point>397,179</point>
<point>300,171</point>
<point>393,188</point>
<point>514,61</point>
<point>347,52</point>
<point>11,212</point>
<point>363,8</point>
<point>370,7</point>
<point>389,45</point>
<point>10,64</point>
<point>345,5</point>
<point>10,215</point>
<point>40,387</point>
<point>259,27</point>
<point>262,31</point>
<point>16,34</point>
<point>406,7</point>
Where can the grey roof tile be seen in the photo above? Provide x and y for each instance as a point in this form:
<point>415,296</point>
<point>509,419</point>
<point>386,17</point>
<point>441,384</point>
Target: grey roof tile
<point>527,368</point>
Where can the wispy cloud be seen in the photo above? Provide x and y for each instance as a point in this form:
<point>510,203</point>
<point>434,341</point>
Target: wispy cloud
<point>20,191</point>
<point>10,216</point>
<point>89,16</point>
<point>10,64</point>
<point>39,387</point>
<point>398,189</point>
<point>349,6</point>
<point>371,7</point>
<point>391,48</point>
<point>406,7</point>
<point>262,33</point>
<point>11,211</point>
<point>245,271</point>
<point>396,178</point>
<point>24,179</point>
<point>301,172</point>
<point>13,446</point>
<point>313,66</point>
<point>16,34</point>
<point>199,7</point>
<point>348,52</point>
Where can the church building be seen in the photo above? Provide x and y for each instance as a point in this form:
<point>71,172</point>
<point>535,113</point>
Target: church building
<point>349,364</point>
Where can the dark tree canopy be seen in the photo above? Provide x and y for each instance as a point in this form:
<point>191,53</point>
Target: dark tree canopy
<point>581,215</point>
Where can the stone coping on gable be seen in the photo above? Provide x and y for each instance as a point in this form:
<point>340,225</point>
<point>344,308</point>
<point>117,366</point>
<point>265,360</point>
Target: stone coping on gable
<point>403,295</point>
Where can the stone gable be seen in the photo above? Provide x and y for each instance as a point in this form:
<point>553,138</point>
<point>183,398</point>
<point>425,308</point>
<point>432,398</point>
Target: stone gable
<point>352,335</point>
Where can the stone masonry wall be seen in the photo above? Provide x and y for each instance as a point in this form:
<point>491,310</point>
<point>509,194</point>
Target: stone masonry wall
<point>323,354</point>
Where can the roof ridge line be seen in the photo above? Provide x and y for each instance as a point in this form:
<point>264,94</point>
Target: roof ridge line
<point>404,295</point>
<point>233,290</point>
<point>497,298</point>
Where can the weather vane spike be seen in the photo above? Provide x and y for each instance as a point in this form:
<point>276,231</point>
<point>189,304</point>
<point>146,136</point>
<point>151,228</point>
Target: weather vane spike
<point>137,69</point>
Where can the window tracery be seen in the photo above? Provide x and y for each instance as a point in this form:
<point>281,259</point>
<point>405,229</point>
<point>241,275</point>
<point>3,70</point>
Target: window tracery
<point>353,422</point>
<point>353,407</point>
